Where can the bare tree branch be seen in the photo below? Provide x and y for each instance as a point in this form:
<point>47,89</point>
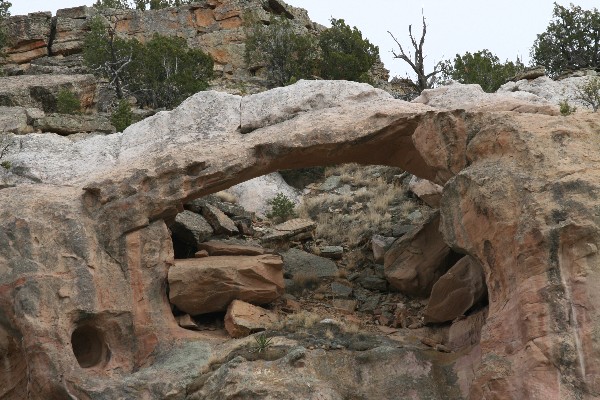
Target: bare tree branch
<point>424,81</point>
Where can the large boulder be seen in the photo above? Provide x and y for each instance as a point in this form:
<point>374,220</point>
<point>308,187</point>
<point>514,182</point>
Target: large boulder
<point>418,259</point>
<point>456,292</point>
<point>204,285</point>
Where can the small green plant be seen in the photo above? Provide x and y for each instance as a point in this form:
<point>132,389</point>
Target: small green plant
<point>262,343</point>
<point>282,208</point>
<point>122,116</point>
<point>566,108</point>
<point>589,93</point>
<point>67,102</point>
<point>6,165</point>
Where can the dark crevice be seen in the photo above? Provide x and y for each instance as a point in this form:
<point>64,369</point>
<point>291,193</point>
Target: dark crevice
<point>52,35</point>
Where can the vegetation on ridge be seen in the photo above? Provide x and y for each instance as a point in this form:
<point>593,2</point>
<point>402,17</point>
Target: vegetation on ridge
<point>160,73</point>
<point>289,54</point>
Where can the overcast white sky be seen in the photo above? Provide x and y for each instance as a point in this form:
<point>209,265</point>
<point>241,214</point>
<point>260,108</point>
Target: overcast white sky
<point>507,28</point>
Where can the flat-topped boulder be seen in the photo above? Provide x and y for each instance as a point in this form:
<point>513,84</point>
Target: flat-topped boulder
<point>209,284</point>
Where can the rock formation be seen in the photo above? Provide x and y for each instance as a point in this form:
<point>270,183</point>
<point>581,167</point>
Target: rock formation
<point>85,250</point>
<point>215,26</point>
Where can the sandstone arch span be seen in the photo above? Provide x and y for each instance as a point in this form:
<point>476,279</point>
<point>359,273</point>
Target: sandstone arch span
<point>85,246</point>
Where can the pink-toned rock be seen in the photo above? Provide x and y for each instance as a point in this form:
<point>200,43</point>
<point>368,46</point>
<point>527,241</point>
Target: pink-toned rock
<point>29,36</point>
<point>456,291</point>
<point>242,319</point>
<point>418,259</point>
<point>429,192</point>
<point>217,248</point>
<point>466,331</point>
<point>204,285</point>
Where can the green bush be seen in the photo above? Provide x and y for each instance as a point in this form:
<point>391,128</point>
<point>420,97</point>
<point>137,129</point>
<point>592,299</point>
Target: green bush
<point>160,73</point>
<point>122,116</point>
<point>571,41</point>
<point>589,93</point>
<point>566,108</point>
<point>286,55</point>
<point>67,102</point>
<point>164,72</point>
<point>482,67</point>
<point>282,208</point>
<point>345,54</point>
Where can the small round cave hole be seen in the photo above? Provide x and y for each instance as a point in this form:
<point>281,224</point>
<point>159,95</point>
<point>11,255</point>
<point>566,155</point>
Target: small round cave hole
<point>89,346</point>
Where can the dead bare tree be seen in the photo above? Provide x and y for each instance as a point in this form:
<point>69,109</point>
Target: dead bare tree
<point>424,81</point>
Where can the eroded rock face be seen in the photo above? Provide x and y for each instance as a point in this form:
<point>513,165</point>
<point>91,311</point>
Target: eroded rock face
<point>215,26</point>
<point>519,197</point>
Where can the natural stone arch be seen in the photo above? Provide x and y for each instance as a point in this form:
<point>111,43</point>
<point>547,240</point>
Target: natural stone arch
<point>109,254</point>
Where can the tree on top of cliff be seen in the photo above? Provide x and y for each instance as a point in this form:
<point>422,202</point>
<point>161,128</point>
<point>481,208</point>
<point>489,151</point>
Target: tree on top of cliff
<point>287,55</point>
<point>345,54</point>
<point>417,64</point>
<point>160,73</point>
<point>571,41</point>
<point>481,67</point>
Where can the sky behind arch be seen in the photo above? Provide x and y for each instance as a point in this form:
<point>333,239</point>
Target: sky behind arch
<point>507,28</point>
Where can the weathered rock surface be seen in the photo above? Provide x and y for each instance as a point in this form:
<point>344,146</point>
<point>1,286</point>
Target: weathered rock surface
<point>553,91</point>
<point>472,97</point>
<point>520,196</point>
<point>220,222</point>
<point>66,124</point>
<point>29,36</point>
<point>456,292</point>
<point>243,318</point>
<point>302,264</point>
<point>387,373</point>
<point>293,229</point>
<point>191,228</point>
<point>204,285</point>
<point>14,120</point>
<point>418,259</point>
<point>429,192</point>
<point>41,91</point>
